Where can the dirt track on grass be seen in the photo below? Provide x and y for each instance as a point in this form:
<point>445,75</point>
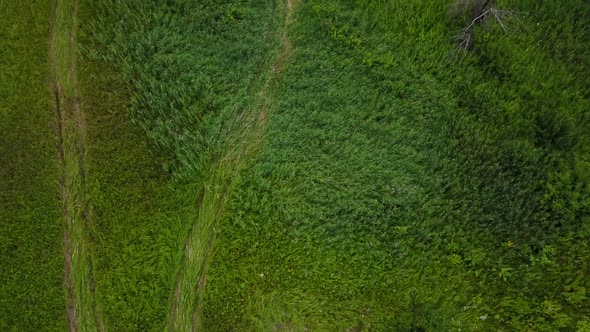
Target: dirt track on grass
<point>186,309</point>
<point>70,124</point>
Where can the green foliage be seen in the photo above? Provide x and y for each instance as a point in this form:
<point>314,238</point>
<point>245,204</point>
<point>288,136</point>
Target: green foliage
<point>189,71</point>
<point>191,66</point>
<point>31,255</point>
<point>326,228</point>
<point>530,101</point>
<point>400,184</point>
<point>400,189</point>
<point>139,217</point>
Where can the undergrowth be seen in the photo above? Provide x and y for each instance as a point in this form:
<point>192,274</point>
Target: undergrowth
<point>32,293</point>
<point>187,75</point>
<point>192,67</point>
<point>401,183</point>
<point>402,186</point>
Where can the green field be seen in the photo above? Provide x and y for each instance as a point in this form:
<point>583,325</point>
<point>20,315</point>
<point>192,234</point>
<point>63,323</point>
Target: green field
<point>294,165</point>
<point>31,261</point>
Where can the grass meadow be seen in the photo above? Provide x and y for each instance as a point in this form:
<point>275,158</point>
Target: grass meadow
<point>407,185</point>
<point>32,296</point>
<point>352,170</point>
<point>167,103</point>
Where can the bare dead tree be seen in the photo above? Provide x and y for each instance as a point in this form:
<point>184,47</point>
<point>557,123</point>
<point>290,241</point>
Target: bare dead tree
<point>479,8</point>
<point>482,11</point>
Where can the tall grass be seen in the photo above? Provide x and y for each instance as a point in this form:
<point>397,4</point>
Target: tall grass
<point>139,216</point>
<point>192,68</point>
<point>241,143</point>
<point>78,277</point>
<point>321,229</point>
<point>31,252</point>
<point>400,188</point>
<point>401,183</point>
<point>189,71</point>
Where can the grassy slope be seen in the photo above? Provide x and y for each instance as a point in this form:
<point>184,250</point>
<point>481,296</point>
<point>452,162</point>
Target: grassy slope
<point>31,285</point>
<point>398,189</point>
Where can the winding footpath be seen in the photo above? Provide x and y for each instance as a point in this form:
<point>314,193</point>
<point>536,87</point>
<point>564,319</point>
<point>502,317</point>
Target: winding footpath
<point>79,284</point>
<point>186,307</point>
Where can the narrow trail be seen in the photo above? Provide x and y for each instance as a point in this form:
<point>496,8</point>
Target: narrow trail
<point>81,306</point>
<point>187,303</point>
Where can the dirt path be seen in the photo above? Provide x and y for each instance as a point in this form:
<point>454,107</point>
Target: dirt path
<point>186,307</point>
<point>79,284</point>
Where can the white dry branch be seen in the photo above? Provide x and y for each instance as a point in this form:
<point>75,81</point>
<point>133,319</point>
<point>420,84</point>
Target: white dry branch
<point>501,16</point>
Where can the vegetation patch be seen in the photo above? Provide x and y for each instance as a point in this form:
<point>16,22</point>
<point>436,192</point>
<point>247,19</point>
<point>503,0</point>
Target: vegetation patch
<point>375,165</point>
<point>404,187</point>
<point>32,295</point>
<point>71,150</point>
<point>191,79</point>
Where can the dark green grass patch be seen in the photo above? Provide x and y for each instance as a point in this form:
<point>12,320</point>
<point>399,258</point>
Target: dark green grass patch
<point>406,185</point>
<point>193,68</point>
<point>138,216</point>
<point>335,226</point>
<point>183,73</point>
<point>31,261</point>
<point>523,131</point>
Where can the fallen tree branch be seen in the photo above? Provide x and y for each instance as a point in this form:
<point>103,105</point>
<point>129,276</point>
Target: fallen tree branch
<point>465,38</point>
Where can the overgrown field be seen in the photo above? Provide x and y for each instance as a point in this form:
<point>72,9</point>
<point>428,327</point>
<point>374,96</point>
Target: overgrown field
<point>192,67</point>
<point>407,185</point>
<point>186,73</point>
<point>344,167</point>
<point>31,255</point>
